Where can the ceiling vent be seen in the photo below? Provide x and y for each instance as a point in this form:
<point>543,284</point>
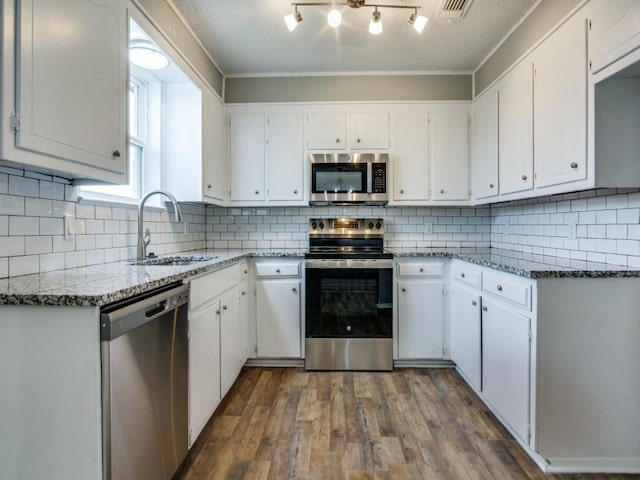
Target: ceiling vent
<point>455,9</point>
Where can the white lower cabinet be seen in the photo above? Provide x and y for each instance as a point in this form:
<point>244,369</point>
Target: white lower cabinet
<point>466,333</point>
<point>420,310</point>
<point>232,345</point>
<point>278,309</point>
<point>506,364</point>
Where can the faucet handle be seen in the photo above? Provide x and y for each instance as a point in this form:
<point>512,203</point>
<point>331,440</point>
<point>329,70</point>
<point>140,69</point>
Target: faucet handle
<point>147,237</point>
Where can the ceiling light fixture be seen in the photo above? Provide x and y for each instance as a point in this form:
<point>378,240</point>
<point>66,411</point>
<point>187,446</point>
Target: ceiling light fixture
<point>293,19</point>
<point>418,21</point>
<point>335,17</point>
<point>375,26</point>
<point>145,54</point>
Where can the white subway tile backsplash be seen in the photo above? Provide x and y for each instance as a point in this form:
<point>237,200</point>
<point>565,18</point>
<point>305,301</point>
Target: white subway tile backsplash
<point>4,225</point>
<point>24,265</point>
<point>25,187</point>
<point>4,183</point>
<point>38,245</point>
<point>51,262</point>
<point>11,205</point>
<point>51,226</point>
<point>23,226</point>
<point>75,259</point>
<point>52,190</point>
<point>37,207</point>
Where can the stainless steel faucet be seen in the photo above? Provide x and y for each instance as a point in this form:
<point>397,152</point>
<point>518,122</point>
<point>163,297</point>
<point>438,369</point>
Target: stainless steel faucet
<point>143,240</point>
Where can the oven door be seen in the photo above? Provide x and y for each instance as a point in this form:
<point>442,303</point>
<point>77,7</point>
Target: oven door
<point>349,298</point>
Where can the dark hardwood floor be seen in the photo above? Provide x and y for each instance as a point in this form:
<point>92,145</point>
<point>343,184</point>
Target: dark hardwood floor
<point>285,423</point>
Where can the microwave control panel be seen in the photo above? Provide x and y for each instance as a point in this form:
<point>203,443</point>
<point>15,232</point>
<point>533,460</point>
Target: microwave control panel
<point>379,172</point>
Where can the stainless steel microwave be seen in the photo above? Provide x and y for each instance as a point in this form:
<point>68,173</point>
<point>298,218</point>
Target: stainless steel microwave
<point>349,179</point>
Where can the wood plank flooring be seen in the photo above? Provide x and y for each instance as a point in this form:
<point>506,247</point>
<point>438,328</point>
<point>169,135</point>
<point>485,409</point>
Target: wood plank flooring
<point>285,423</point>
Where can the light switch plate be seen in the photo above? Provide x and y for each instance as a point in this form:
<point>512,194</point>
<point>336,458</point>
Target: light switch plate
<point>69,226</point>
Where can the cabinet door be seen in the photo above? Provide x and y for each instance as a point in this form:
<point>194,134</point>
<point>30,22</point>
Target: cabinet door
<point>485,145</point>
<point>449,155</point>
<point>285,156</point>
<point>278,318</point>
<point>515,130</point>
<point>614,32</point>
<point>420,319</point>
<point>246,156</point>
<point>204,368</point>
<point>214,146</point>
<point>369,130</point>
<point>506,354</point>
<point>410,156</point>
<point>466,333</point>
<point>231,341</point>
<point>560,106</point>
<point>72,81</point>
<point>244,319</point>
<point>326,131</point>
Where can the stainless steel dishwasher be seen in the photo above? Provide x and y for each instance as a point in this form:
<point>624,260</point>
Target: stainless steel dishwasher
<point>144,353</point>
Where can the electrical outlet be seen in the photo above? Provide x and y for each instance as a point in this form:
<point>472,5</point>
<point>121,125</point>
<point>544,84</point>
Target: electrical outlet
<point>428,227</point>
<point>573,228</point>
<point>69,226</point>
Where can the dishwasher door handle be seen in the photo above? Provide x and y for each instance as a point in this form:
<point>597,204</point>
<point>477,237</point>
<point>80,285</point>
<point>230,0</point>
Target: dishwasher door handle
<point>159,309</point>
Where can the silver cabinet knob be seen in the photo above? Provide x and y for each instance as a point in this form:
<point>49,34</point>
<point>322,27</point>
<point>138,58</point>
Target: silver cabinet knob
<point>244,293</point>
<point>462,275</point>
<point>278,270</point>
<point>499,288</point>
<point>116,153</point>
<point>295,192</point>
<point>257,192</point>
<point>294,290</point>
<point>524,178</point>
<point>474,303</point>
<point>337,140</point>
<point>224,307</point>
<point>421,269</point>
<point>484,309</point>
<point>348,328</point>
<point>574,165</point>
<point>358,140</point>
<point>217,312</point>
<point>245,271</point>
<point>491,185</point>
<point>442,191</point>
<point>209,186</point>
<point>401,191</point>
<point>404,289</point>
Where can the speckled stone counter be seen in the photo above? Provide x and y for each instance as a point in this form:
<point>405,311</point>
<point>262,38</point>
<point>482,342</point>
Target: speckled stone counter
<point>525,264</point>
<point>111,282</point>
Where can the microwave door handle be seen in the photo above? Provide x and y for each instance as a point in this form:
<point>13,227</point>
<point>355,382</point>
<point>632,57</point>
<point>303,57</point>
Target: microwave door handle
<point>369,179</point>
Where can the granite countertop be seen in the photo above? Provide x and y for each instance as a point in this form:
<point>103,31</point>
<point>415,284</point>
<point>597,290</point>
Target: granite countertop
<point>100,285</point>
<point>525,264</point>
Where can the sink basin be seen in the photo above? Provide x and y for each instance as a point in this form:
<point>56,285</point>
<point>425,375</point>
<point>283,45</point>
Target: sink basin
<point>174,260</point>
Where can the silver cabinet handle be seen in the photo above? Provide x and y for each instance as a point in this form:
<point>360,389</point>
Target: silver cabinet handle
<point>404,289</point>
<point>474,303</point>
<point>462,274</point>
<point>116,153</point>
<point>574,165</point>
<point>491,185</point>
<point>294,290</point>
<point>499,288</point>
<point>217,312</point>
<point>524,178</point>
<point>278,270</point>
<point>209,186</point>
<point>484,309</point>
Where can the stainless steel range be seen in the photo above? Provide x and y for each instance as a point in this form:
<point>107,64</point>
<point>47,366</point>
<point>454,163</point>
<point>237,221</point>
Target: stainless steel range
<point>349,296</point>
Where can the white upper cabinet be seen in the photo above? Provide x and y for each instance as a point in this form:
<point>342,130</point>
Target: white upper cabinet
<point>246,156</point>
<point>485,145</point>
<point>326,131</point>
<point>69,87</point>
<point>369,131</point>
<point>515,133</point>
<point>614,32</point>
<point>347,131</point>
<point>214,147</point>
<point>560,106</point>
<point>410,156</point>
<point>285,156</point>
<point>449,154</point>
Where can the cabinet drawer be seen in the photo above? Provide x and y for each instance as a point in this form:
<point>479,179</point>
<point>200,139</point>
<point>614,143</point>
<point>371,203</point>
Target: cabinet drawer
<point>467,273</point>
<point>278,269</point>
<point>204,289</point>
<point>420,269</point>
<point>509,288</point>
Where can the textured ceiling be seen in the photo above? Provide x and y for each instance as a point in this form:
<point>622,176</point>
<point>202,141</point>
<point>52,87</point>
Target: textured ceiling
<point>250,37</point>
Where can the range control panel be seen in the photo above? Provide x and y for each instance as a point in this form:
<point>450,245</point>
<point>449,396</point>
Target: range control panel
<point>346,226</point>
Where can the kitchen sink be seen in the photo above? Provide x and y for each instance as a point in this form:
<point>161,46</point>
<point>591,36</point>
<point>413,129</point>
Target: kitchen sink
<point>174,260</point>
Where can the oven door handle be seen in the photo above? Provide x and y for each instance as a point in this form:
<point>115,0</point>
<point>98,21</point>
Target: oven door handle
<point>349,263</point>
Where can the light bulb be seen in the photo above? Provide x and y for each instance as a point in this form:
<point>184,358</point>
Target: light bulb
<point>292,20</point>
<point>375,27</point>
<point>334,18</point>
<point>418,22</point>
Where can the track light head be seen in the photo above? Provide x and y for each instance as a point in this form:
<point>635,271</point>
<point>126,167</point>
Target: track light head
<point>418,21</point>
<point>375,26</point>
<point>293,19</point>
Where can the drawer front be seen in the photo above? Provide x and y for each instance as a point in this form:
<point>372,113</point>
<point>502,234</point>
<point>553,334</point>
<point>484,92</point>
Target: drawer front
<point>278,269</point>
<point>508,288</point>
<point>467,273</point>
<point>420,269</point>
<point>204,289</point>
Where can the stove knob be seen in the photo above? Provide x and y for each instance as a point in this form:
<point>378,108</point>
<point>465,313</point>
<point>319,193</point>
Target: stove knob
<point>321,225</point>
<point>314,225</point>
<point>370,225</point>
<point>378,225</point>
